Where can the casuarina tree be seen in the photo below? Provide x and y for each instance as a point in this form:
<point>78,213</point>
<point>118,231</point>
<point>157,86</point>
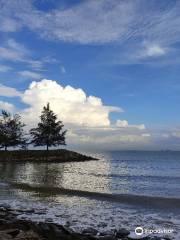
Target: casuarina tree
<point>11,130</point>
<point>49,131</point>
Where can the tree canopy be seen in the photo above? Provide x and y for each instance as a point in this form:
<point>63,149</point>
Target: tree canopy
<point>49,131</point>
<point>11,130</point>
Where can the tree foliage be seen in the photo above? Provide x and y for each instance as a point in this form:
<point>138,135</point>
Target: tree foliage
<point>11,130</point>
<point>49,131</point>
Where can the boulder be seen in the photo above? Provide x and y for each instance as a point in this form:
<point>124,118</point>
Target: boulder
<point>13,232</point>
<point>122,232</point>
<point>4,236</point>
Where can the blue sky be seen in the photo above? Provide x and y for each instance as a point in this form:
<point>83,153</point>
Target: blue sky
<point>126,54</point>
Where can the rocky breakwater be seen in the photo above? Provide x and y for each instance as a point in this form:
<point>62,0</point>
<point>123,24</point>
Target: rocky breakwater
<point>13,228</point>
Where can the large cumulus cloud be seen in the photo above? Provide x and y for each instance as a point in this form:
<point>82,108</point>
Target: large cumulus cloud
<point>86,117</point>
<point>71,104</point>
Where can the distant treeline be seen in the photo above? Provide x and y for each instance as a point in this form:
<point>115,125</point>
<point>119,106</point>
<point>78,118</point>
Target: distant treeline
<point>49,131</point>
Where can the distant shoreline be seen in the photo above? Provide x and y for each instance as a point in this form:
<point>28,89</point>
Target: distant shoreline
<point>43,156</point>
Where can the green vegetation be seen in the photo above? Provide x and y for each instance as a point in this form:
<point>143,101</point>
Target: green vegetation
<point>11,131</point>
<point>49,131</point>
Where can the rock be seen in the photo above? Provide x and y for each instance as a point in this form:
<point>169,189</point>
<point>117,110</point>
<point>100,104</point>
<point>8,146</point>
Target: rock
<point>109,232</point>
<point>90,231</point>
<point>67,224</point>
<point>122,232</point>
<point>3,213</point>
<point>43,228</point>
<point>67,229</point>
<point>29,235</point>
<point>13,232</point>
<point>4,236</point>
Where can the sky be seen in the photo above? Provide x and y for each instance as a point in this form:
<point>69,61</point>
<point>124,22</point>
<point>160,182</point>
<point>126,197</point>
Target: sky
<point>109,68</point>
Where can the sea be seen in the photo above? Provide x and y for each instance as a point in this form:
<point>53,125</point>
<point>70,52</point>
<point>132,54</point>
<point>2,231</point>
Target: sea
<point>124,189</point>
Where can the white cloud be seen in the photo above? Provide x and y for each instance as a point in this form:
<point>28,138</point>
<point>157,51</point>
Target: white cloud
<point>122,123</point>
<point>7,106</point>
<point>150,50</point>
<point>155,51</point>
<point>97,21</point>
<point>13,51</point>
<point>29,74</point>
<point>72,105</point>
<point>176,134</point>
<point>87,119</point>
<point>125,124</point>
<point>9,91</point>
<point>9,25</point>
<point>4,68</point>
<point>146,135</point>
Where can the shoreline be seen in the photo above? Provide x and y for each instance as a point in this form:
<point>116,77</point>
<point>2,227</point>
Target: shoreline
<point>42,156</point>
<point>14,228</point>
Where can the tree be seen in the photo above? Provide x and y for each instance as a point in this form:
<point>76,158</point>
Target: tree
<point>49,131</point>
<point>11,130</point>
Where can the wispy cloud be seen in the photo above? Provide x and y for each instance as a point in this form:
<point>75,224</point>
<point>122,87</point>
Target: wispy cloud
<point>13,51</point>
<point>106,22</point>
<point>29,74</point>
<point>5,68</point>
<point>9,91</point>
<point>62,69</point>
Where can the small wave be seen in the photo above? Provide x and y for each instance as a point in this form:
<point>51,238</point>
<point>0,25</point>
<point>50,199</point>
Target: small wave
<point>148,201</point>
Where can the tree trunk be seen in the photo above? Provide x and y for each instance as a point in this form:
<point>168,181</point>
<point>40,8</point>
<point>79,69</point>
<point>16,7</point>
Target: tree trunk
<point>5,148</point>
<point>47,147</point>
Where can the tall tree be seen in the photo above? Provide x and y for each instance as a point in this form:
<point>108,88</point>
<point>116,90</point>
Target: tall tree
<point>11,130</point>
<point>49,131</point>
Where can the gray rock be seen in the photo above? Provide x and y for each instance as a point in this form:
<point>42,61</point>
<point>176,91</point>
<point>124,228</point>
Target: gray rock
<point>108,232</point>
<point>4,236</point>
<point>13,232</point>
<point>122,232</point>
<point>3,213</point>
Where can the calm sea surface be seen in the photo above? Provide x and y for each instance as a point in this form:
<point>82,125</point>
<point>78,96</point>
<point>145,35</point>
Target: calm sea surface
<point>123,189</point>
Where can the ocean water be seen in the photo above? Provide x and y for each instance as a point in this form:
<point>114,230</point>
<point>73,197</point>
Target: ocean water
<point>122,189</point>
